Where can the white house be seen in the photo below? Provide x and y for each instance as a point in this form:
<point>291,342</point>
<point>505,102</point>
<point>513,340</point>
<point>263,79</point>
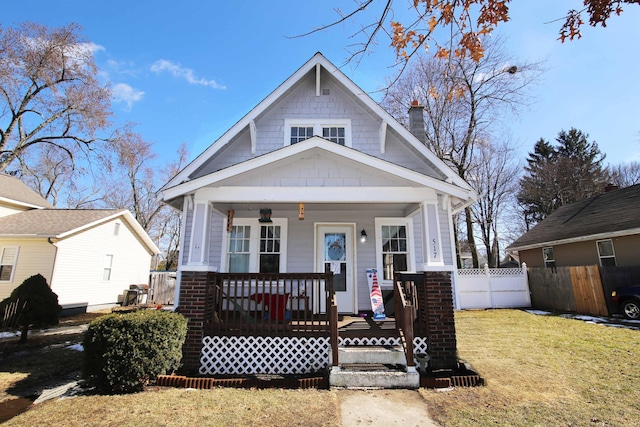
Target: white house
<point>88,256</point>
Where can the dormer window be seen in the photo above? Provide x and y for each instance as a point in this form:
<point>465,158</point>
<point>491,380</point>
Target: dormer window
<point>335,130</point>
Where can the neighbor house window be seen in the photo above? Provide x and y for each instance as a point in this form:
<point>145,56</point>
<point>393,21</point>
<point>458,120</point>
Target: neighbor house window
<point>549,257</point>
<point>108,265</point>
<point>256,247</point>
<point>8,260</point>
<point>394,247</point>
<point>335,130</point>
<point>605,253</point>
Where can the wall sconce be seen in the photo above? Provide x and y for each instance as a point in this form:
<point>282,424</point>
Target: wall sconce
<point>265,215</point>
<point>363,236</point>
<point>230,214</point>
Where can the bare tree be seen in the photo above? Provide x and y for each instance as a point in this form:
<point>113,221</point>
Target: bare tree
<point>464,102</point>
<point>49,92</point>
<point>625,174</point>
<point>495,172</point>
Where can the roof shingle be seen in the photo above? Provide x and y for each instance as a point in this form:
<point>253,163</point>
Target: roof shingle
<point>51,222</point>
<point>14,189</point>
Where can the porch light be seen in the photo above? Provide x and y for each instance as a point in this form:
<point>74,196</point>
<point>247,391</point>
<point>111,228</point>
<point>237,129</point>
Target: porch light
<point>363,236</point>
<point>265,215</point>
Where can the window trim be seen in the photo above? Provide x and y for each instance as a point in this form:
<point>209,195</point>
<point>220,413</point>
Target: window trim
<point>107,266</point>
<point>15,262</point>
<point>411,249</point>
<point>553,260</point>
<point>317,125</point>
<point>613,249</point>
<point>254,243</point>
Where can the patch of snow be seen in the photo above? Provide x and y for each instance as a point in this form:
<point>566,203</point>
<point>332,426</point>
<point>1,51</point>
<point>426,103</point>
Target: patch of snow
<point>590,318</point>
<point>77,347</point>
<point>9,334</point>
<point>539,312</point>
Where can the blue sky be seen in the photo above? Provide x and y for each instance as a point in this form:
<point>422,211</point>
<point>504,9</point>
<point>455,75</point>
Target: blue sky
<point>187,71</point>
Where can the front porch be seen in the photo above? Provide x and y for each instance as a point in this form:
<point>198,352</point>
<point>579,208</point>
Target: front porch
<point>243,324</point>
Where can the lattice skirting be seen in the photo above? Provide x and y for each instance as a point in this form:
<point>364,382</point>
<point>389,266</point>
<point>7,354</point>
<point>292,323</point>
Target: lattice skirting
<point>263,355</point>
<point>279,355</point>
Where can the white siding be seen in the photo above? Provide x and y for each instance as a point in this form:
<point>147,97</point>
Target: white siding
<point>188,225</point>
<point>417,238</point>
<point>448,252</point>
<point>35,256</point>
<point>6,210</point>
<point>77,278</point>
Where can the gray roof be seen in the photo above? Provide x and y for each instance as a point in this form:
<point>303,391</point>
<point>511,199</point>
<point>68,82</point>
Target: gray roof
<point>14,189</point>
<point>613,212</point>
<point>51,222</point>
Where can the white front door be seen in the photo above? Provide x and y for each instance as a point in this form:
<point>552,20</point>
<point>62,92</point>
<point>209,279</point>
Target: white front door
<point>335,252</point>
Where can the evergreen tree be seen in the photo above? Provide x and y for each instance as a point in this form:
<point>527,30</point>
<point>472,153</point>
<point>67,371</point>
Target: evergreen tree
<point>561,174</point>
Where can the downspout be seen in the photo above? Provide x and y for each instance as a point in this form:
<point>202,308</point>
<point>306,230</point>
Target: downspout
<point>55,256</point>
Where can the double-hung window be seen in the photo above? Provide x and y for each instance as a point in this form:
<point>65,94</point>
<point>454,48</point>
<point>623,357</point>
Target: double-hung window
<point>549,257</point>
<point>256,247</point>
<point>606,253</point>
<point>334,130</point>
<point>106,269</point>
<point>8,260</point>
<point>394,247</point>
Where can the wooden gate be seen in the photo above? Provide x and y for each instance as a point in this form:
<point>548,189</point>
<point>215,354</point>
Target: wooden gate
<point>587,290</point>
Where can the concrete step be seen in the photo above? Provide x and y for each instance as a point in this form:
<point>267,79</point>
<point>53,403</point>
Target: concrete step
<point>391,355</point>
<point>380,376</point>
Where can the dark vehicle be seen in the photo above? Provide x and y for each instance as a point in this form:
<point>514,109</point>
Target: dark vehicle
<point>627,300</point>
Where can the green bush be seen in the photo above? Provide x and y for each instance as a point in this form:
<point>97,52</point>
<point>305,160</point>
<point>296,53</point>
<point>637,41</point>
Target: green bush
<point>33,303</point>
<point>123,351</point>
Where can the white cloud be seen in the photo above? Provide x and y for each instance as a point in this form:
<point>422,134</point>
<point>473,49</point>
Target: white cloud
<point>185,73</point>
<point>122,92</point>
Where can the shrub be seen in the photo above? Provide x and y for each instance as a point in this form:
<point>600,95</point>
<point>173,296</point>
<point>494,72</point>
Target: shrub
<point>124,351</point>
<point>33,303</point>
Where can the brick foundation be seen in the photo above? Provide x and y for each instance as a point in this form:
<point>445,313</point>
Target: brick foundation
<point>193,286</point>
<point>441,326</point>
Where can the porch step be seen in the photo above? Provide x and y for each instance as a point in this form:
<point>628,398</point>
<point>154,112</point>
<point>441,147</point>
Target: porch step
<point>377,376</point>
<point>391,355</point>
<point>373,367</point>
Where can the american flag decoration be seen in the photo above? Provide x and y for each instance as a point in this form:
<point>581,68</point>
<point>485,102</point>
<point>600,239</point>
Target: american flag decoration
<point>377,303</point>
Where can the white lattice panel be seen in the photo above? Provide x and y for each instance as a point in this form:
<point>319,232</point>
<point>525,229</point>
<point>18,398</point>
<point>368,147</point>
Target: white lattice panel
<point>263,355</point>
<point>419,346</point>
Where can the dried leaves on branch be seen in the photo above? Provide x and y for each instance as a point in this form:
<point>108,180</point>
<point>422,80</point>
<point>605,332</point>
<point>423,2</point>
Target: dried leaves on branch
<point>452,28</point>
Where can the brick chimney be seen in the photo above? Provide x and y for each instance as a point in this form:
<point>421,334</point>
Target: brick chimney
<point>610,187</point>
<point>416,121</point>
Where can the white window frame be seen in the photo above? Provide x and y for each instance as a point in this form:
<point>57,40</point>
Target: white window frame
<point>545,261</point>
<point>411,249</point>
<point>107,265</point>
<point>254,243</point>
<point>317,125</point>
<point>15,261</point>
<point>613,249</point>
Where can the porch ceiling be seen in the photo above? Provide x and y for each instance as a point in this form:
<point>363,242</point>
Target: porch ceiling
<point>311,207</point>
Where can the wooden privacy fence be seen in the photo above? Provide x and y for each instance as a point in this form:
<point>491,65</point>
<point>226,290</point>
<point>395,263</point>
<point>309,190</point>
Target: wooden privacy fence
<point>162,287</point>
<point>582,289</point>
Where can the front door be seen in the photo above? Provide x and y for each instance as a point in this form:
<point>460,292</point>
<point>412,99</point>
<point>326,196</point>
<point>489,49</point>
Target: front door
<point>335,252</point>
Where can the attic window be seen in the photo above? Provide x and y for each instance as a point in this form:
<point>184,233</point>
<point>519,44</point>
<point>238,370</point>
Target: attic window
<point>335,130</point>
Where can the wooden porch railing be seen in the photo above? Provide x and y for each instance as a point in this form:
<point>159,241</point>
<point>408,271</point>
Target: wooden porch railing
<point>404,298</point>
<point>269,304</point>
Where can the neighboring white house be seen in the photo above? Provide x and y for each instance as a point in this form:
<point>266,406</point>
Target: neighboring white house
<point>345,185</point>
<point>88,256</point>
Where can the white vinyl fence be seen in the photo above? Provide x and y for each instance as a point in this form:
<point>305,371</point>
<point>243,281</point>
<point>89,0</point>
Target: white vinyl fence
<point>492,288</point>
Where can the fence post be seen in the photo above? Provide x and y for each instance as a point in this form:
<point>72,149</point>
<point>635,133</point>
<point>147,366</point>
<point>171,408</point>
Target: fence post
<point>487,275</point>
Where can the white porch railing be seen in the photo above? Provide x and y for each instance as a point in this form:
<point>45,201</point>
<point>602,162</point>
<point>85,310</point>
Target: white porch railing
<point>492,288</point>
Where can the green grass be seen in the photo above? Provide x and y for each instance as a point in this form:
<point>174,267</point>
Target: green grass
<point>542,370</point>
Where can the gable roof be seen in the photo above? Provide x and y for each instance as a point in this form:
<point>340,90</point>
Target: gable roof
<point>603,216</point>
<point>16,192</point>
<point>317,147</point>
<point>318,60</point>
<point>61,223</point>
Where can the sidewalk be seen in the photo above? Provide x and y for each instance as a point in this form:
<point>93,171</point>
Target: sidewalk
<point>383,408</point>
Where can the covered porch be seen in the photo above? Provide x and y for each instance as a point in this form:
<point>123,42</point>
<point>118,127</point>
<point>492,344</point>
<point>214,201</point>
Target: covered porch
<point>231,333</point>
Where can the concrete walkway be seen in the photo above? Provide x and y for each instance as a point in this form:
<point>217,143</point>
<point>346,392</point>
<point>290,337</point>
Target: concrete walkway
<point>386,408</point>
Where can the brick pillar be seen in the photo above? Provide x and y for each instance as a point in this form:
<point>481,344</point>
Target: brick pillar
<point>193,287</point>
<point>441,326</point>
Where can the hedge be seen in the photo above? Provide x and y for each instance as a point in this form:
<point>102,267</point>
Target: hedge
<point>124,351</point>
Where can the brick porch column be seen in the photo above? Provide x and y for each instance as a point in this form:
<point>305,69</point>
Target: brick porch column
<point>193,286</point>
<point>441,326</point>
